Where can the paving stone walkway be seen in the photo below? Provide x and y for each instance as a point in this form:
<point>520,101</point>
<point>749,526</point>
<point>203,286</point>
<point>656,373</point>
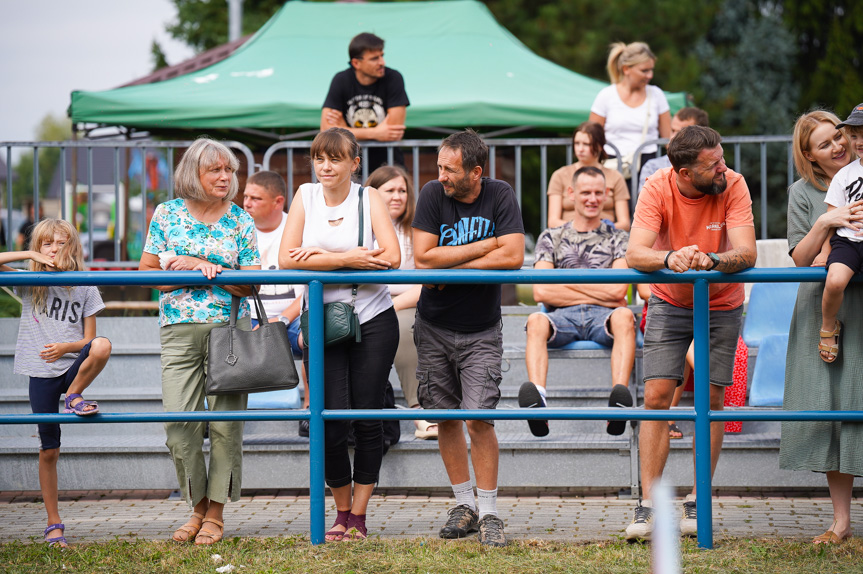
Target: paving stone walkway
<point>95,516</point>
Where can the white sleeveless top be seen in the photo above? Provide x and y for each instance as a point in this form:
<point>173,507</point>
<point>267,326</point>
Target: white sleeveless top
<point>317,232</point>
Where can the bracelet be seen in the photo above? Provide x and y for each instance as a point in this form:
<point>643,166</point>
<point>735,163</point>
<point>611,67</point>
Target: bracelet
<point>667,255</point>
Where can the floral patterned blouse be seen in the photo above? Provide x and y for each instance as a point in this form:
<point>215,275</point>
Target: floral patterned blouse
<point>230,242</point>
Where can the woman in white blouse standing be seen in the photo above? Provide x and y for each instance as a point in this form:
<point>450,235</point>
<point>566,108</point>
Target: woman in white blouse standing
<point>631,110</point>
<point>323,234</point>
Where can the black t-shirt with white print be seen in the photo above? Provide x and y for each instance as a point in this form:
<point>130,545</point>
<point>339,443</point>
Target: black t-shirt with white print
<point>495,213</point>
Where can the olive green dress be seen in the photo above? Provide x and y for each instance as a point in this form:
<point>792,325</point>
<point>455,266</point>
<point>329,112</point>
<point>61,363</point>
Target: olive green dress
<point>810,383</point>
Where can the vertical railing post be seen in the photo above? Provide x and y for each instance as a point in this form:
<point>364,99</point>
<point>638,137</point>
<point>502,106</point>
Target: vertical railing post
<point>315,344</point>
<point>701,312</point>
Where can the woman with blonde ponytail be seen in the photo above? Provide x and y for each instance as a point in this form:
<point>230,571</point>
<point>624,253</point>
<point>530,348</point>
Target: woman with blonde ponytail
<point>631,110</point>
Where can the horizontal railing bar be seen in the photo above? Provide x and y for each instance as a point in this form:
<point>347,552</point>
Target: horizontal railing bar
<point>426,276</point>
<point>603,413</point>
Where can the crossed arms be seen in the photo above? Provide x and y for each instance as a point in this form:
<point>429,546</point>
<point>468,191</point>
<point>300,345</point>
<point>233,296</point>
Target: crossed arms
<point>504,252</point>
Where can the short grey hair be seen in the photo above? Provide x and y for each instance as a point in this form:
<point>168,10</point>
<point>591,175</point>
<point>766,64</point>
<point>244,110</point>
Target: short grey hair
<point>203,154</point>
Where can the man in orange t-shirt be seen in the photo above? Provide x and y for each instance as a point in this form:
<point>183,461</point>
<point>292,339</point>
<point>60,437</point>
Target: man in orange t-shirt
<point>695,215</point>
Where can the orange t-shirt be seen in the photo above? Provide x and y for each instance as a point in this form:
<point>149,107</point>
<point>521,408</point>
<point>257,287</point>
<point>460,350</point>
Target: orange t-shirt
<point>680,221</point>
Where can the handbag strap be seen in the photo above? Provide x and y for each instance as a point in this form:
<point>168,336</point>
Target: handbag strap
<point>259,306</point>
<point>359,240</point>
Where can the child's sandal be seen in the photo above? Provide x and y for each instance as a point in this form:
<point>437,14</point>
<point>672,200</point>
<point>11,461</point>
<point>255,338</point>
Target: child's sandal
<point>188,531</point>
<point>59,541</point>
<point>334,535</point>
<point>80,408</point>
<point>831,350</point>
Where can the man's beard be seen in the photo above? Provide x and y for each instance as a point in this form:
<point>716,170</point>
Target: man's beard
<point>459,188</point>
<point>711,187</point>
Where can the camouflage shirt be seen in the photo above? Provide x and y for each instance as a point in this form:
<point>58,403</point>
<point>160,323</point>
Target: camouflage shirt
<point>567,248</point>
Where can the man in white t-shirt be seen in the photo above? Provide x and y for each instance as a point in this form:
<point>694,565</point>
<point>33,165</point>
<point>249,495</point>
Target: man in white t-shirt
<point>264,199</point>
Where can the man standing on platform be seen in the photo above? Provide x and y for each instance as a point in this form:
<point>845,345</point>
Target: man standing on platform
<point>368,99</point>
<point>465,221</point>
<point>695,215</point>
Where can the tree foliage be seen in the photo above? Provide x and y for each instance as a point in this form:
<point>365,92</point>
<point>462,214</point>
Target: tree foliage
<point>204,24</point>
<point>747,81</point>
<point>829,36</point>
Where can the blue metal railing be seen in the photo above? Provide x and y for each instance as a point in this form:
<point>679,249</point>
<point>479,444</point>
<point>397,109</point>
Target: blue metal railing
<point>701,414</point>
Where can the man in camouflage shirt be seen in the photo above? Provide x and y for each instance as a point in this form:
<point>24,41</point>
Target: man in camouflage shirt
<point>581,312</point>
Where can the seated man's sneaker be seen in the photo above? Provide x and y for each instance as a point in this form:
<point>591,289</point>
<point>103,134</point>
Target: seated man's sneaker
<point>642,523</point>
<point>461,522</point>
<point>529,397</point>
<point>689,519</point>
<point>622,398</point>
<point>491,531</point>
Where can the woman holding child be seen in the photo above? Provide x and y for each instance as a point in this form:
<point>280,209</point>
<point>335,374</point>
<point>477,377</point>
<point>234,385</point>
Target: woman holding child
<point>201,230</point>
<point>333,224</point>
<point>588,143</point>
<point>820,150</point>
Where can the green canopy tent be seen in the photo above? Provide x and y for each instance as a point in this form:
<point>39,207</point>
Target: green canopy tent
<point>461,68</point>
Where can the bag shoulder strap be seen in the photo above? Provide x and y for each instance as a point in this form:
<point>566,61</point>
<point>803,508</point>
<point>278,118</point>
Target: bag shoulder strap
<point>359,239</point>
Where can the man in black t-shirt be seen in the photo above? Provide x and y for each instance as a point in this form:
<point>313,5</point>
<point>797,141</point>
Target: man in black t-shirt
<point>368,99</point>
<point>465,221</point>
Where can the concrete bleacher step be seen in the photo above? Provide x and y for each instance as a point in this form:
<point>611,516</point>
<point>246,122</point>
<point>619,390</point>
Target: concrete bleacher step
<point>576,453</point>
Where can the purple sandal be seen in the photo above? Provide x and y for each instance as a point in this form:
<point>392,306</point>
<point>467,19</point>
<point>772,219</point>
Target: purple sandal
<point>80,408</point>
<point>356,528</point>
<point>341,520</point>
<point>58,541</point>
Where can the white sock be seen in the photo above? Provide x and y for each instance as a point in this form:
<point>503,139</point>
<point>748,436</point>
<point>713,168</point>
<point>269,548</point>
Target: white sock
<point>540,389</point>
<point>464,494</point>
<point>487,501</point>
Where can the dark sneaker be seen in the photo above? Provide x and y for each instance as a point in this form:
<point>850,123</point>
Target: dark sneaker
<point>530,398</point>
<point>689,520</point>
<point>642,524</point>
<point>461,522</point>
<point>303,431</point>
<point>491,531</point>
<point>620,397</point>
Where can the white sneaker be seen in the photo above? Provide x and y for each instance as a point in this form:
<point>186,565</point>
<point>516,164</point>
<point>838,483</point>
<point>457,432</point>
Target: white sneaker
<point>689,519</point>
<point>642,523</point>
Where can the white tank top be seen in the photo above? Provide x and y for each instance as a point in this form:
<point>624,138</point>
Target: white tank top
<point>317,232</point>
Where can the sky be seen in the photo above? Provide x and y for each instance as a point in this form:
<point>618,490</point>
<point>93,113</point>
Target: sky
<point>48,48</point>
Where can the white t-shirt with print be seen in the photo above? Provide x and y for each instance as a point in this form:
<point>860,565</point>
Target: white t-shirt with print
<point>846,187</point>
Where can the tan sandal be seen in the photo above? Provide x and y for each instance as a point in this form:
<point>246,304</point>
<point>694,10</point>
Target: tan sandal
<point>831,350</point>
<point>213,535</point>
<point>425,430</point>
<point>829,537</point>
<point>190,529</point>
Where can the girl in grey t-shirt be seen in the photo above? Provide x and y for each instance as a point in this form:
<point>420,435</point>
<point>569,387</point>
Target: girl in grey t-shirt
<point>57,347</point>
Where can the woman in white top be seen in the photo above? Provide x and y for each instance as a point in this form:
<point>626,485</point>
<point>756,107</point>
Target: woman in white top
<point>630,109</point>
<point>397,191</point>
<point>322,235</point>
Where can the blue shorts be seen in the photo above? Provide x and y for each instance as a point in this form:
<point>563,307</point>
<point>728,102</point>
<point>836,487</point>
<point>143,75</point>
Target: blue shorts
<point>293,336</point>
<point>45,396</point>
<point>580,323</point>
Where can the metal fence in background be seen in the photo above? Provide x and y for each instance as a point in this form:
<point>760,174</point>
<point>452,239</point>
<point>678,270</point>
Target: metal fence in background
<point>526,180</point>
<point>316,415</point>
<point>65,171</point>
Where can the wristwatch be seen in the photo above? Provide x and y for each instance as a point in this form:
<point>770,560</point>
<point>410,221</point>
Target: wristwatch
<point>715,258</point>
<point>284,320</point>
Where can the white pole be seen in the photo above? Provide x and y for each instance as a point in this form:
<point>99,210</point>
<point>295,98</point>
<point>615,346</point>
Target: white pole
<point>235,19</point>
<point>666,531</point>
